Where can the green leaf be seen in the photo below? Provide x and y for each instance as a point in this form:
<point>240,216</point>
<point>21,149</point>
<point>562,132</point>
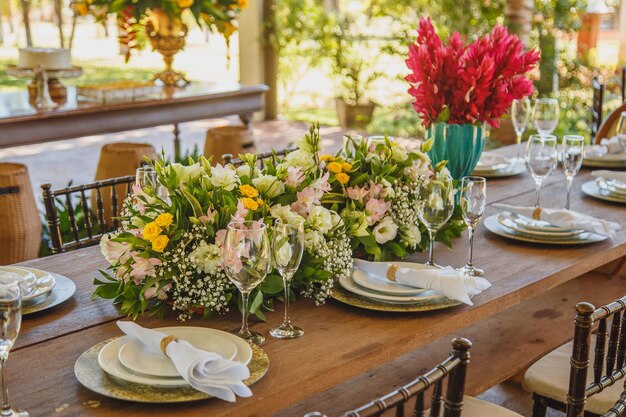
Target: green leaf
<point>273,284</point>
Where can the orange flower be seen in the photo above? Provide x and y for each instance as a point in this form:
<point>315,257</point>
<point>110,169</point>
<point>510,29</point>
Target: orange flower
<point>249,203</point>
<point>248,191</point>
<point>342,178</point>
<point>334,167</point>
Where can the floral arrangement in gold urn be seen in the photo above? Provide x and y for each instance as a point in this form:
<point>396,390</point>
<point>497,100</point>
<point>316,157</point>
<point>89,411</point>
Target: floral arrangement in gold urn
<point>162,22</point>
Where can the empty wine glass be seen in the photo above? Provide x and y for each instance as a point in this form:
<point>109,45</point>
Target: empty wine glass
<point>473,202</point>
<point>146,178</point>
<point>10,322</point>
<point>520,114</point>
<point>287,249</point>
<point>546,116</point>
<point>541,160</point>
<point>247,260</point>
<point>573,147</point>
<point>435,207</point>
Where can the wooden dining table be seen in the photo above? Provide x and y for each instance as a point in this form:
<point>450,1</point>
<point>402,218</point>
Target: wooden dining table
<point>347,355</point>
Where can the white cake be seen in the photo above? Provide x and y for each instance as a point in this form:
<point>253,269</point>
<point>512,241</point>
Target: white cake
<point>49,58</point>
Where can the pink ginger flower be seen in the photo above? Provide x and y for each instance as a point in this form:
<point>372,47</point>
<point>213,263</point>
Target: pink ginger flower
<point>240,214</point>
<point>375,189</point>
<point>322,184</point>
<point>209,217</point>
<point>375,210</point>
<point>308,197</point>
<point>142,267</point>
<point>295,176</point>
<point>161,293</point>
<point>357,193</point>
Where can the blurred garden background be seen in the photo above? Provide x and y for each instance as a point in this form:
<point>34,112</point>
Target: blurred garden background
<point>333,53</point>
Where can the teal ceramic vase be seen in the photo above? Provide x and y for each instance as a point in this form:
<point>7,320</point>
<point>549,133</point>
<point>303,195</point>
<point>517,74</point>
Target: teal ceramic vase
<point>460,145</point>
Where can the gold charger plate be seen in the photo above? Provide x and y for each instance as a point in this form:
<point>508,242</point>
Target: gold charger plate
<point>354,300</point>
<point>91,376</point>
<point>62,291</point>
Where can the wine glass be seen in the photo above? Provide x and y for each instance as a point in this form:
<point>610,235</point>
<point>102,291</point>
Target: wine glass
<point>541,160</point>
<point>246,261</point>
<point>573,147</point>
<point>287,249</point>
<point>546,116</point>
<point>473,202</point>
<point>10,322</point>
<point>520,113</point>
<point>146,178</point>
<point>435,207</point>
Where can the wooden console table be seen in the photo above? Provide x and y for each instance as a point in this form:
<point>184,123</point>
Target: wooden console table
<point>21,124</point>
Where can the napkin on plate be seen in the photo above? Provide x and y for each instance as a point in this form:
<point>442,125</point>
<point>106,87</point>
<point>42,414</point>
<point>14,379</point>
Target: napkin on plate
<point>610,175</point>
<point>566,218</point>
<point>205,371</point>
<point>447,281</point>
<point>610,146</point>
<point>490,159</point>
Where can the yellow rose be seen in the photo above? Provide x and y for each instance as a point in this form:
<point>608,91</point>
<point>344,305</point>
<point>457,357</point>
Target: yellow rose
<point>183,4</point>
<point>164,219</point>
<point>342,178</point>
<point>242,4</point>
<point>249,203</point>
<point>334,167</point>
<point>248,191</point>
<point>82,9</point>
<point>327,158</point>
<point>260,202</point>
<point>346,167</point>
<point>159,243</point>
<point>151,231</point>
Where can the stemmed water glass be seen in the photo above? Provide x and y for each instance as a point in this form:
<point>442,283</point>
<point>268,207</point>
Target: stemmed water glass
<point>573,147</point>
<point>541,160</point>
<point>520,114</point>
<point>287,249</point>
<point>435,207</point>
<point>247,261</point>
<point>146,178</point>
<point>546,116</point>
<point>473,202</point>
<point>10,321</point>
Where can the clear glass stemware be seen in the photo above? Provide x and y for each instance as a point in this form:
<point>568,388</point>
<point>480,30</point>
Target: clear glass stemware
<point>541,160</point>
<point>287,249</point>
<point>573,148</point>
<point>520,114</point>
<point>10,322</point>
<point>546,115</point>
<point>435,208</point>
<point>146,178</point>
<point>473,202</point>
<point>247,261</point>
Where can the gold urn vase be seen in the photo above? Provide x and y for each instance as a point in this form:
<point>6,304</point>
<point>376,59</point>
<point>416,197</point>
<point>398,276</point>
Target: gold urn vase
<point>167,36</point>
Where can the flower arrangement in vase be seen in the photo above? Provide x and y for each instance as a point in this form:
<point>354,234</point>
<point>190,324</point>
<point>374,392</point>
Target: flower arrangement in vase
<point>460,86</point>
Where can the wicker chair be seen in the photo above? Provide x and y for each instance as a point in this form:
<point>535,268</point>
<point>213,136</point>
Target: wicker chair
<point>455,404</point>
<point>592,392</point>
<point>95,222</point>
<point>596,110</point>
<point>262,158</point>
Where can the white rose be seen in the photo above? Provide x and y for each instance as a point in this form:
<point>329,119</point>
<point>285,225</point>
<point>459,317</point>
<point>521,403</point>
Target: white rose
<point>114,252</point>
<point>411,235</point>
<point>312,240</point>
<point>284,212</point>
<point>187,174</point>
<point>319,219</point>
<point>246,171</point>
<point>283,255</point>
<point>385,231</point>
<point>224,177</point>
<point>269,186</point>
<point>300,159</point>
<point>399,153</point>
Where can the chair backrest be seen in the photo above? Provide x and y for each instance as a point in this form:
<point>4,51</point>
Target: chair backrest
<point>623,84</point>
<point>454,368</point>
<point>596,109</point>
<point>608,128</point>
<point>609,363</point>
<point>94,223</point>
<point>262,158</point>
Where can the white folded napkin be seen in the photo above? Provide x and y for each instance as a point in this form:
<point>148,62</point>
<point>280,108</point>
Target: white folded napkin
<point>567,219</point>
<point>490,159</point>
<point>610,146</point>
<point>205,371</point>
<point>446,281</point>
<point>610,175</point>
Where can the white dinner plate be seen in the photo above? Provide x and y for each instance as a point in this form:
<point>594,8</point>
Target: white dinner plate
<point>509,171</point>
<point>591,189</point>
<point>348,284</point>
<point>519,225</point>
<point>373,282</point>
<point>135,356</point>
<point>533,224</point>
<point>38,282</point>
<point>108,359</point>
<point>493,225</point>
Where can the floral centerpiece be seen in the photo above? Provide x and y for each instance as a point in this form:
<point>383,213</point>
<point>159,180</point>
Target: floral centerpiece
<point>459,86</point>
<point>169,247</point>
<point>375,189</point>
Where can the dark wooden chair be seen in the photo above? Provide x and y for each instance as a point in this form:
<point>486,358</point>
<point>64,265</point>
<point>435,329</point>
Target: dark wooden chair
<point>87,230</point>
<point>608,128</point>
<point>454,404</point>
<point>596,109</point>
<point>262,158</point>
<point>592,392</point>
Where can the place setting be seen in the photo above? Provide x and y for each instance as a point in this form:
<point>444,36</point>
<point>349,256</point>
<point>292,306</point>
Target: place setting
<point>41,290</point>
<point>610,152</point>
<point>607,186</point>
<point>547,225</point>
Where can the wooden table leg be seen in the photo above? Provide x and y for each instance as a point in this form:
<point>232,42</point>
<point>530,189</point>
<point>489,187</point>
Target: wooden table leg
<point>176,132</point>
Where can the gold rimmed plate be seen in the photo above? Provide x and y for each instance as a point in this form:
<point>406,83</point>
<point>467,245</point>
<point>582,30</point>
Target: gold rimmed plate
<point>92,377</point>
<point>591,189</point>
<point>62,291</point>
